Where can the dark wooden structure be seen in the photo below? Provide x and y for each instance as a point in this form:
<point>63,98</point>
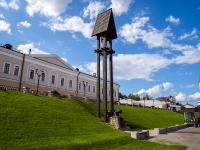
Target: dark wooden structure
<point>105,31</point>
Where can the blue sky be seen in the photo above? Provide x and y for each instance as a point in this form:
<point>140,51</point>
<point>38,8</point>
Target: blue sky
<point>157,50</point>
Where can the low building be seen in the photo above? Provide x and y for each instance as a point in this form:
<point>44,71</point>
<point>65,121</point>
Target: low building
<point>18,70</point>
<point>169,99</point>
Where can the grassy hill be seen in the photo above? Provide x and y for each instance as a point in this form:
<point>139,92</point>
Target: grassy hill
<point>39,122</point>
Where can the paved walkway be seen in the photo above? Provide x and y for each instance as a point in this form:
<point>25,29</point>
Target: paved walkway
<point>189,136</point>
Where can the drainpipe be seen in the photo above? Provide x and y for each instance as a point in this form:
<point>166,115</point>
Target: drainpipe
<point>21,75</point>
<point>77,82</point>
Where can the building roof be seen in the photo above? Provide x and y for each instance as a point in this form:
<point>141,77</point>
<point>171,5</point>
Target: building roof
<point>105,23</point>
<point>52,58</point>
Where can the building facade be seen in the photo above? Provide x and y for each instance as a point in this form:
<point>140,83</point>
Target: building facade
<point>18,70</point>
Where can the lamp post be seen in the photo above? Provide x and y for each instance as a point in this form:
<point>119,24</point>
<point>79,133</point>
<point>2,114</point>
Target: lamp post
<point>77,81</point>
<point>38,74</point>
<point>84,85</point>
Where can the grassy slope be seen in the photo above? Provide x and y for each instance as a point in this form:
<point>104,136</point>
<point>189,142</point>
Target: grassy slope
<point>146,118</point>
<point>38,122</point>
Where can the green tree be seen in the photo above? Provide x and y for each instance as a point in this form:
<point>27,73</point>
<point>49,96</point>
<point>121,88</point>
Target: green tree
<point>134,97</point>
<point>122,96</point>
<point>146,97</point>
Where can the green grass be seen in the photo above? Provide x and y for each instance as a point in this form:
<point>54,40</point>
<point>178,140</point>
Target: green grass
<point>38,122</point>
<point>147,118</point>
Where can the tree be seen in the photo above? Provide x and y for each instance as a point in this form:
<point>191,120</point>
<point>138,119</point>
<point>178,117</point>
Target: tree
<point>134,97</point>
<point>122,96</point>
<point>146,97</point>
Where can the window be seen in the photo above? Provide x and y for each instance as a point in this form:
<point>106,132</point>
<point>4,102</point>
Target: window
<point>16,70</point>
<point>115,94</point>
<point>62,81</point>
<point>88,88</point>
<point>6,68</point>
<point>79,85</point>
<point>70,83</point>
<point>53,79</point>
<point>32,74</point>
<point>43,76</point>
<point>93,89</point>
<point>102,91</point>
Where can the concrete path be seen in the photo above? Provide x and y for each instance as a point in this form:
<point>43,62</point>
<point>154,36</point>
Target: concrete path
<point>189,137</point>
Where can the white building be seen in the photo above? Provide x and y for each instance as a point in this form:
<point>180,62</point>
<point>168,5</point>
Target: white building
<point>18,70</point>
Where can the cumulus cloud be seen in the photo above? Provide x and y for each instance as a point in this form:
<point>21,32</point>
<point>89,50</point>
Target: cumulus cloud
<point>132,32</point>
<point>5,27</point>
<point>151,36</point>
<point>155,91</point>
<point>12,4</point>
<point>72,24</point>
<point>183,97</point>
<point>52,8</point>
<point>24,24</point>
<point>120,6</point>
<point>189,55</point>
<point>139,29</point>
<point>173,20</point>
<point>191,35</point>
<point>26,47</point>
<point>144,66</point>
<point>93,9</point>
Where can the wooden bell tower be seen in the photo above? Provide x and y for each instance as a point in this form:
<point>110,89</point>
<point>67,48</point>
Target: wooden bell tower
<point>105,31</point>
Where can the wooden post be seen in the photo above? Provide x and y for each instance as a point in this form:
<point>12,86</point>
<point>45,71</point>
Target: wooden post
<point>105,78</point>
<point>111,77</point>
<point>98,77</point>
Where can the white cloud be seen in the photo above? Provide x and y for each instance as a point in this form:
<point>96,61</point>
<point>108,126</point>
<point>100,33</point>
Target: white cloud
<point>1,16</point>
<point>190,55</point>
<point>152,37</point>
<point>155,38</point>
<point>139,66</point>
<point>24,24</point>
<point>132,32</point>
<point>192,35</point>
<point>183,97</point>
<point>173,20</point>
<point>3,3</point>
<point>93,9</point>
<point>65,59</point>
<point>5,26</point>
<point>167,85</point>
<point>72,24</point>
<point>140,30</point>
<point>195,96</point>
<point>155,91</point>
<point>120,6</point>
<point>26,47</point>
<point>12,4</point>
<point>190,86</point>
<point>48,8</point>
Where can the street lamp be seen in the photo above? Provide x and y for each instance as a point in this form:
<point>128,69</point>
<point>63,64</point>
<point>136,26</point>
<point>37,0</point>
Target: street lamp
<point>84,85</point>
<point>38,74</point>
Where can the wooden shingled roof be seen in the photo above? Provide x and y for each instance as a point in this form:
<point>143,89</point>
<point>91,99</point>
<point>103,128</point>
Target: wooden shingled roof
<point>105,24</point>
